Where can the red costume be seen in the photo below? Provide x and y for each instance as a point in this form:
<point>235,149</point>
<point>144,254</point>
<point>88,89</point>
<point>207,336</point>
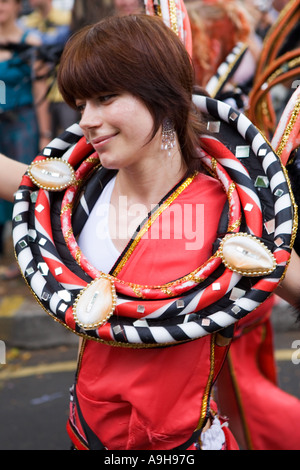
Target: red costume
<point>173,383</point>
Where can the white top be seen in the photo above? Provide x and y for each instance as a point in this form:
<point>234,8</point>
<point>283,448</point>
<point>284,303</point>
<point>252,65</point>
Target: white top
<point>95,241</point>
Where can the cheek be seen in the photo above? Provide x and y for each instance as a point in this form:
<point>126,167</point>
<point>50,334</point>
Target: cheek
<point>135,119</point>
<point>138,133</point>
<point>142,126</point>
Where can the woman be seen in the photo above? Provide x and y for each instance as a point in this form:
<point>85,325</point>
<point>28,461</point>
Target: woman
<point>138,119</point>
<point>23,128</point>
<point>124,127</point>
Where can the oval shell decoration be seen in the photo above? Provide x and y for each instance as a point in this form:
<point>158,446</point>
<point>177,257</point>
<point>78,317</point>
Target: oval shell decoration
<point>95,304</point>
<point>246,255</point>
<point>51,174</point>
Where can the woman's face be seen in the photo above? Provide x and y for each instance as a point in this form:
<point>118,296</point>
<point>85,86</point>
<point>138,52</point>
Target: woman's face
<point>119,126</point>
<point>9,10</point>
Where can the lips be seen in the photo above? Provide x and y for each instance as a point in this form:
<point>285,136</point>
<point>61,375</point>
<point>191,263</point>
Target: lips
<point>99,142</point>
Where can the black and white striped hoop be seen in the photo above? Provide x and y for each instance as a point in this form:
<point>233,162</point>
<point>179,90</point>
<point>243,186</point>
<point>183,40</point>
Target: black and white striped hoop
<point>55,277</point>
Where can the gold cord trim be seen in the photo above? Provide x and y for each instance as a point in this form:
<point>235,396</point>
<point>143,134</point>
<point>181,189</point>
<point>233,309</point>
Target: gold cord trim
<point>289,128</point>
<point>151,220</point>
<point>173,17</point>
<point>203,413</point>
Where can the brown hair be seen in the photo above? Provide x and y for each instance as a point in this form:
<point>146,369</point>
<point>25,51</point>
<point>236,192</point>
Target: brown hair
<point>140,55</point>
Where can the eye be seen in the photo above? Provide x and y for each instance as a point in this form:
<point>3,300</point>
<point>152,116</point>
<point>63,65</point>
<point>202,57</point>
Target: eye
<point>80,105</point>
<point>107,97</point>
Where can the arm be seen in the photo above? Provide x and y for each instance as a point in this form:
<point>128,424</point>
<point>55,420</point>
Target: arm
<point>11,173</point>
<point>289,289</point>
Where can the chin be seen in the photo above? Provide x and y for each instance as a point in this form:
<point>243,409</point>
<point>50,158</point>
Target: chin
<point>109,165</point>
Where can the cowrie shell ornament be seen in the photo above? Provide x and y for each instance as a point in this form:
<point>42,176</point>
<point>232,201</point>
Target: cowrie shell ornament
<point>95,304</point>
<point>51,174</point>
<point>246,255</point>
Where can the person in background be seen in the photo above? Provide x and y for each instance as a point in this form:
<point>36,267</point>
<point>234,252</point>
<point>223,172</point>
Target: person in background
<point>24,117</point>
<point>217,27</point>
<point>52,26</point>
<point>127,7</point>
<point>49,23</point>
<point>87,12</point>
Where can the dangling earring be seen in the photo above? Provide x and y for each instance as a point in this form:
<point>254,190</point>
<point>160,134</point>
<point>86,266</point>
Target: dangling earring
<point>168,136</point>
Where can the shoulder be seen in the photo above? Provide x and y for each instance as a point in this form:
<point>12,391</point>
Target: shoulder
<point>206,191</point>
<point>206,184</point>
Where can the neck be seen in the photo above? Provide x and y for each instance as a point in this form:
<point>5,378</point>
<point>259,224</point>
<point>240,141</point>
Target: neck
<point>9,30</point>
<point>148,184</point>
<point>138,190</point>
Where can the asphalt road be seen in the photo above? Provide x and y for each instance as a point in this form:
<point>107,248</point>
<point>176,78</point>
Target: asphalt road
<point>34,394</point>
<point>34,388</point>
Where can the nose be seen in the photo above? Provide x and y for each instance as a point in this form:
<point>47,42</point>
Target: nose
<point>90,117</point>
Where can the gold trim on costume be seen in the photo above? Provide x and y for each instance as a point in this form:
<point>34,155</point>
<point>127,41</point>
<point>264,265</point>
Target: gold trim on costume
<point>289,128</point>
<point>151,220</point>
<point>173,16</point>
<point>222,78</point>
<point>204,404</point>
